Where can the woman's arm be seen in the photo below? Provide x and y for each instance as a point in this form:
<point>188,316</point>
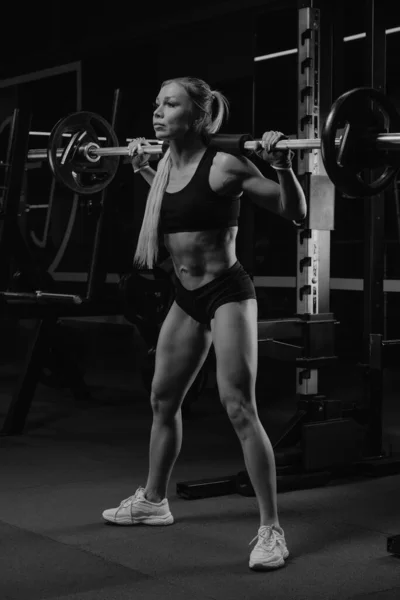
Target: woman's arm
<point>285,198</point>
<point>147,173</point>
<point>140,160</point>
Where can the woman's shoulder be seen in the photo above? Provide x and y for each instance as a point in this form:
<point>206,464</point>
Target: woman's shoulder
<point>231,164</point>
<point>227,173</point>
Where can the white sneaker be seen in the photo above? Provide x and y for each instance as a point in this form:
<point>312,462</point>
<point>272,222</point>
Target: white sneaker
<point>270,551</point>
<point>137,510</point>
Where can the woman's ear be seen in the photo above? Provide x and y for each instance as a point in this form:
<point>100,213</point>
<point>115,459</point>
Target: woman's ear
<point>197,125</point>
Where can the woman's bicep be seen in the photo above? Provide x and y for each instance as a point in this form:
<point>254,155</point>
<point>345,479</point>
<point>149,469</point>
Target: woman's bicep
<point>248,179</point>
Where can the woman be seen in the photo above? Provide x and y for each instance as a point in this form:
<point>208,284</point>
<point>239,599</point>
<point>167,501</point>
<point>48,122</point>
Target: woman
<point>194,203</point>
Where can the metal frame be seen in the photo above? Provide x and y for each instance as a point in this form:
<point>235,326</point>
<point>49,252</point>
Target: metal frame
<point>374,243</point>
<point>308,164</point>
<point>313,239</point>
<point>51,72</point>
<point>36,76</point>
<point>97,277</point>
<point>12,243</point>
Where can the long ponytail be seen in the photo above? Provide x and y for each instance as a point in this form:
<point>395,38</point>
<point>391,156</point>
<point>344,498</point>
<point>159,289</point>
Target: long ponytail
<point>147,246</point>
<point>222,112</point>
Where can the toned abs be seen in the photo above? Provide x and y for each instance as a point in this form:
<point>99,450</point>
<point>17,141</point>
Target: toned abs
<point>200,256</point>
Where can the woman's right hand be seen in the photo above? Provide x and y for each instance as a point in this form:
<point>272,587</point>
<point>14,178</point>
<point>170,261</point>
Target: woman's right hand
<point>138,157</point>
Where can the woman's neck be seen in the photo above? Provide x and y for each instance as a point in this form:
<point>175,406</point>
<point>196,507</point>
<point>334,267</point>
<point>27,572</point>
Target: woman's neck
<point>184,152</point>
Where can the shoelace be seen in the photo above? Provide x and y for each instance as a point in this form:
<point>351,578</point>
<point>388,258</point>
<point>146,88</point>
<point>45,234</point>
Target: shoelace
<point>268,541</point>
<point>131,498</point>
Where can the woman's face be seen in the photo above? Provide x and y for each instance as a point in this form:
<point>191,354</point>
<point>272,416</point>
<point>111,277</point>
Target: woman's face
<point>173,112</point>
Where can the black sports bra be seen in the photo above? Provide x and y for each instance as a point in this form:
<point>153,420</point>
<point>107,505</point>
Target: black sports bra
<point>197,207</point>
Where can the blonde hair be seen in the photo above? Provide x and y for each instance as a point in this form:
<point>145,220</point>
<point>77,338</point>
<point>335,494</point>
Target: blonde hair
<point>213,108</point>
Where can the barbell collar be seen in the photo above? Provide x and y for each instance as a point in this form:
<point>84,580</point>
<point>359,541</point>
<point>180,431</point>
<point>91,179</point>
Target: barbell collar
<point>90,152</point>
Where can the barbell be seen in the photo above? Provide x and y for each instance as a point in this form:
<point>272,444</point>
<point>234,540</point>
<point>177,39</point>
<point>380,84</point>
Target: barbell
<point>361,161</point>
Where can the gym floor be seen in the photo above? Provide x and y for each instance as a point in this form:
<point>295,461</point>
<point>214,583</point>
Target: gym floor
<point>77,458</point>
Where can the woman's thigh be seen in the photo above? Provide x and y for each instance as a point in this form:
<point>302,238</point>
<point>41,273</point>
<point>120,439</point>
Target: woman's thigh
<point>234,331</point>
<point>182,348</point>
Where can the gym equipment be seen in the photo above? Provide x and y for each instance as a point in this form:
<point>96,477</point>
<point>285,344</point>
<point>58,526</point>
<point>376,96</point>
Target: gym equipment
<point>360,151</point>
<point>146,294</point>
<point>87,167</point>
<point>75,166</point>
<point>39,297</point>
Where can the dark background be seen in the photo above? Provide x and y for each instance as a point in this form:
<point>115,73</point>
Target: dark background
<point>134,47</point>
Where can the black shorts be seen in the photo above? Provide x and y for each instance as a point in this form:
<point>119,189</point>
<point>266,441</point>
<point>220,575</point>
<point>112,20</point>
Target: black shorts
<point>233,285</point>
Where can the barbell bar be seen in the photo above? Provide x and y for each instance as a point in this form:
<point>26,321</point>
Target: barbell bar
<point>384,141</point>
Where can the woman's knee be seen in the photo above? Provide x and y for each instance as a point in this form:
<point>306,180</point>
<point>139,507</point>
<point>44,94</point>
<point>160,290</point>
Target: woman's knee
<point>239,405</point>
<point>164,404</point>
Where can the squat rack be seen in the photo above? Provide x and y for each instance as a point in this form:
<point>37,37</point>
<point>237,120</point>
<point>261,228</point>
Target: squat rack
<point>320,422</point>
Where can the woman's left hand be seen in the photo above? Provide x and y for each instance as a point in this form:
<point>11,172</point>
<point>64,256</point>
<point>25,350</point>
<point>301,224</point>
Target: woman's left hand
<point>279,159</point>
